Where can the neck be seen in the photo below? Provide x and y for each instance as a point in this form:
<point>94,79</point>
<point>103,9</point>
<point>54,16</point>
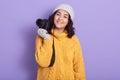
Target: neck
<point>59,30</point>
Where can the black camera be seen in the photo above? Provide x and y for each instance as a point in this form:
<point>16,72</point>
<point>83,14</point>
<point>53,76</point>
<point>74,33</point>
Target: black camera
<point>42,23</point>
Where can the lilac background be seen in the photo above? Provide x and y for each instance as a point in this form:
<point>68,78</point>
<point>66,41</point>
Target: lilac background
<point>97,24</point>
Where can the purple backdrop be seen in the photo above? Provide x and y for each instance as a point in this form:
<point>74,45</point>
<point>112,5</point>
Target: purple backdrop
<point>97,24</point>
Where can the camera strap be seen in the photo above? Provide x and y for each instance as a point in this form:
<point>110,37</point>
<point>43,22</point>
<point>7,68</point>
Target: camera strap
<point>53,55</point>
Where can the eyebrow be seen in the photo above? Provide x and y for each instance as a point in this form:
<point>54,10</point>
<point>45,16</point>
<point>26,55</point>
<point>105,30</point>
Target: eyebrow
<point>64,14</point>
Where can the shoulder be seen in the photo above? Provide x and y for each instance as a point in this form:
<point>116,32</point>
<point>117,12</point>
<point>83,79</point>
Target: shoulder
<point>38,38</point>
<point>75,39</point>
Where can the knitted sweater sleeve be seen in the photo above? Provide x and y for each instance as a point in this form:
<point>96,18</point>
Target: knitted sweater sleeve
<point>79,71</point>
<point>43,51</point>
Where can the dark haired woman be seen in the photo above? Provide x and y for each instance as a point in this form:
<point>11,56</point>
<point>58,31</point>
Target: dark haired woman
<point>68,61</point>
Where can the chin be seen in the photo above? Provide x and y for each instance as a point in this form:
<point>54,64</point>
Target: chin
<point>58,26</point>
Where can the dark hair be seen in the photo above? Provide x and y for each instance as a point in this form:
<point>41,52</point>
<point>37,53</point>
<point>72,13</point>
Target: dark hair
<point>69,28</point>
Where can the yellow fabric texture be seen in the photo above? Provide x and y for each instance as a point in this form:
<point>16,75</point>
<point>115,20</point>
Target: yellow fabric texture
<point>69,64</point>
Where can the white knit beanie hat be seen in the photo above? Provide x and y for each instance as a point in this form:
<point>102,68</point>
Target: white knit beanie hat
<point>67,8</point>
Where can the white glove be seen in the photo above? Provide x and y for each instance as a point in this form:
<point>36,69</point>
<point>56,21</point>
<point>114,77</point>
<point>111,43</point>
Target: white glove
<point>43,33</point>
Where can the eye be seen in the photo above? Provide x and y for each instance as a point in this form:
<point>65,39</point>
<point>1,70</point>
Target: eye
<point>58,14</point>
<point>66,16</point>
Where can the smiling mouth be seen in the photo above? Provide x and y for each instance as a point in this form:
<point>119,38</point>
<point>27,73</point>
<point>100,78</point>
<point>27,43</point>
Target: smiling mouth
<point>59,22</point>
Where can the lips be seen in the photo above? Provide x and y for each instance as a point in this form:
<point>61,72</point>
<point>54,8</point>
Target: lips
<point>58,22</point>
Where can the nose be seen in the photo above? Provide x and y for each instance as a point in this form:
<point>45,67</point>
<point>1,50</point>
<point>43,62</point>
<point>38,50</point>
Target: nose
<point>60,17</point>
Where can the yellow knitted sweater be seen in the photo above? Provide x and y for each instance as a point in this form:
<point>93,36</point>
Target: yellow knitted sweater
<point>69,64</point>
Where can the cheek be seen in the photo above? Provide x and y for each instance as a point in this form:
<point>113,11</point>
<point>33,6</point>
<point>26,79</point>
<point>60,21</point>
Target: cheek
<point>66,22</point>
<point>55,18</point>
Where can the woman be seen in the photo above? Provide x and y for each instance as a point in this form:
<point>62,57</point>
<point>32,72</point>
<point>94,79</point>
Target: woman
<point>68,63</point>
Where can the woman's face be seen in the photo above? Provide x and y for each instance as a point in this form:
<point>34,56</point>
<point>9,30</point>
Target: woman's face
<point>61,19</point>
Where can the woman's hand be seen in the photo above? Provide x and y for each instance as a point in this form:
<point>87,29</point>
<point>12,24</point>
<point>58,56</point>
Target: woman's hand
<point>43,33</point>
